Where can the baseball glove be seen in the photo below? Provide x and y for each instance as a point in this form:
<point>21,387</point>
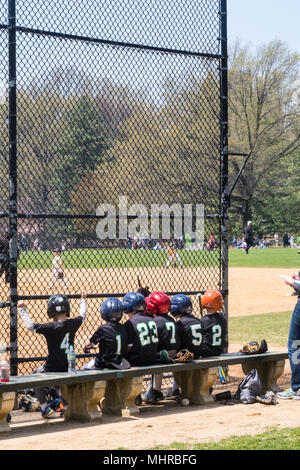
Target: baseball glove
<point>268,399</point>
<point>60,275</point>
<point>184,355</point>
<point>254,348</point>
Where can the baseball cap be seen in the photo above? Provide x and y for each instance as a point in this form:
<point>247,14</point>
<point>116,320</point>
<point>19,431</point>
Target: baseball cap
<point>115,361</point>
<point>121,365</point>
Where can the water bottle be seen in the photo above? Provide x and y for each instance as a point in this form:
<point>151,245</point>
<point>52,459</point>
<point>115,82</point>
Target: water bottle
<point>71,360</point>
<point>5,370</point>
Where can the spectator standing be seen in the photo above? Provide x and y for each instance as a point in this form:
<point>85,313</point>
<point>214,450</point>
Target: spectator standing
<point>285,240</point>
<point>248,236</point>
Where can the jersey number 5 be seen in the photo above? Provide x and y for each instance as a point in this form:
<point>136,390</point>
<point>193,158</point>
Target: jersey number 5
<point>196,334</point>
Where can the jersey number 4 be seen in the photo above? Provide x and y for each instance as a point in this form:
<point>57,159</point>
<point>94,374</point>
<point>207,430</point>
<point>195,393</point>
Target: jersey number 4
<point>65,343</point>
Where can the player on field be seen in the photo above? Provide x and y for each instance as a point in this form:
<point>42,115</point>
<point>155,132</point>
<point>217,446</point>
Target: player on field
<point>57,268</point>
<point>59,334</point>
<point>173,256</point>
<point>111,338</point>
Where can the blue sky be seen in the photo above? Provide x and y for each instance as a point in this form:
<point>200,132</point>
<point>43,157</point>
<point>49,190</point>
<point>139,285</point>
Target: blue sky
<point>260,21</point>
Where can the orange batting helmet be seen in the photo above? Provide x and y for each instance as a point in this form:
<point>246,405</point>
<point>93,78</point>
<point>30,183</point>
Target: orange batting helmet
<point>212,300</point>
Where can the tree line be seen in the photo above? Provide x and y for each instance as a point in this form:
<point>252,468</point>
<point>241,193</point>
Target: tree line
<point>98,142</point>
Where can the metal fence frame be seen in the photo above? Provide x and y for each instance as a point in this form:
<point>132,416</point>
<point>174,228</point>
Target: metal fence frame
<point>13,216</point>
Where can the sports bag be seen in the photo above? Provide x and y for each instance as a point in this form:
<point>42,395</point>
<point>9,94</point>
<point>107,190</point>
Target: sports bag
<point>249,388</point>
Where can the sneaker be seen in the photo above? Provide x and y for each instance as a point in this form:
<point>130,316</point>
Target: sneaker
<point>47,412</point>
<point>153,396</point>
<point>287,394</point>
<point>56,405</point>
<point>138,400</point>
<point>297,395</point>
<point>172,394</point>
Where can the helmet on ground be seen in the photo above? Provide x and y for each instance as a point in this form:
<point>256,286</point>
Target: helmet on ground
<point>181,305</point>
<point>58,303</point>
<point>111,309</point>
<point>212,300</point>
<point>134,302</point>
<point>158,303</point>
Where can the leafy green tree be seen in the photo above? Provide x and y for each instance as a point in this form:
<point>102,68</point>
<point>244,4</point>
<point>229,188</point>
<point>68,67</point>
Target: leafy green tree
<point>263,120</point>
<point>81,147</point>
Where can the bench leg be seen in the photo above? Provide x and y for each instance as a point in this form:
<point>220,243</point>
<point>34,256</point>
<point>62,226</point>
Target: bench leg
<point>135,386</point>
<point>7,401</point>
<point>195,385</point>
<point>83,401</point>
<point>269,372</point>
<point>120,395</point>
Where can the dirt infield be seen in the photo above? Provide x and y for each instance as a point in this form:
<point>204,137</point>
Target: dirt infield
<point>251,291</point>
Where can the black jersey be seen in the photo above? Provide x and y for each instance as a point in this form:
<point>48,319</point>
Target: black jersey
<point>142,336</point>
<point>112,340</point>
<point>213,334</point>
<point>167,333</point>
<point>59,336</point>
<point>190,334</point>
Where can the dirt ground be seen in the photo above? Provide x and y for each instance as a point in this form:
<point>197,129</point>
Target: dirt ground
<point>157,425</point>
<point>251,291</point>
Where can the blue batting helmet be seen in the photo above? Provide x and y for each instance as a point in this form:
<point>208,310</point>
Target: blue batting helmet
<point>134,302</point>
<point>111,309</point>
<point>181,305</point>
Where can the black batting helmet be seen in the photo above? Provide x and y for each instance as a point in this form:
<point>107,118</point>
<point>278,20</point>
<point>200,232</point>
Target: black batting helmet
<point>58,303</point>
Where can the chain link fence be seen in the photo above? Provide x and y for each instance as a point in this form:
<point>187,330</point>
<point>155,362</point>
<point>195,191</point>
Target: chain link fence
<point>113,130</point>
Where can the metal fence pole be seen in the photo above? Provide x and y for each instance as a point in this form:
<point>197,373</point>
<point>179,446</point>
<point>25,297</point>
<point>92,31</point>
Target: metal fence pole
<point>224,153</point>
<point>13,184</point>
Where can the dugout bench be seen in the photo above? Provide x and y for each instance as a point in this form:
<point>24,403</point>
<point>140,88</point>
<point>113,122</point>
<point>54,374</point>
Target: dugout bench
<point>84,390</point>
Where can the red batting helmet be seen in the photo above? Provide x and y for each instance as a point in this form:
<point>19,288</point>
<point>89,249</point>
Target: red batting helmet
<point>158,303</point>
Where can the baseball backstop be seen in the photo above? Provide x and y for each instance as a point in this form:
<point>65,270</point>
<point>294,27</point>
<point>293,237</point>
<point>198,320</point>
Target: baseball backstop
<point>113,153</point>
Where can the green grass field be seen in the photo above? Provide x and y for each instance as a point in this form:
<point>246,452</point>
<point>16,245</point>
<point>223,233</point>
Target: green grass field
<point>273,327</point>
<point>273,439</point>
<point>118,258</point>
<point>115,258</point>
<point>265,258</point>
